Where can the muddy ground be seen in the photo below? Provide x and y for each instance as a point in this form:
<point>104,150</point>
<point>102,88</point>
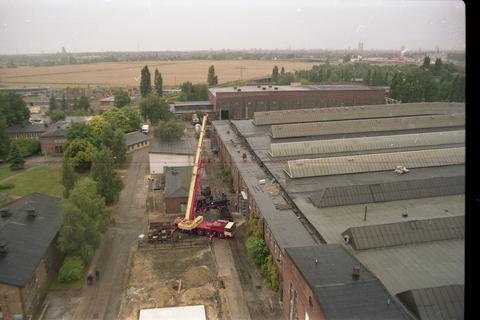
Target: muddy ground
<point>155,276</point>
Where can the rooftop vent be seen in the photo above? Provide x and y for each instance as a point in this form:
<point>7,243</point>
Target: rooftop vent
<point>173,171</point>
<point>5,212</point>
<point>239,89</point>
<point>356,272</point>
<point>275,88</point>
<point>31,212</point>
<point>264,88</point>
<point>3,247</point>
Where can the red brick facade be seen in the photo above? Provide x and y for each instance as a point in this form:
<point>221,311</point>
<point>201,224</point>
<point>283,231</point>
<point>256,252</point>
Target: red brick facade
<point>242,105</point>
<point>52,146</point>
<point>299,302</point>
<point>174,205</point>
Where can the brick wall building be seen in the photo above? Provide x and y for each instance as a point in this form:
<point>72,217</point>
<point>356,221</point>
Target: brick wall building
<point>29,258</point>
<point>177,184</point>
<point>242,102</point>
<point>52,142</point>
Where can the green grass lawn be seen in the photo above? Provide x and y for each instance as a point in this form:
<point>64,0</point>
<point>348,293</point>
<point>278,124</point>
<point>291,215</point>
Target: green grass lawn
<point>42,179</point>
<point>5,172</point>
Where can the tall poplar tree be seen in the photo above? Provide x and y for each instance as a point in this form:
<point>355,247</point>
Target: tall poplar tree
<point>212,78</point>
<point>158,83</point>
<point>145,82</point>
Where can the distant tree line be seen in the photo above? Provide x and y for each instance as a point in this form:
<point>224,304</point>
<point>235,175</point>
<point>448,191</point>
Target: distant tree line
<point>408,83</point>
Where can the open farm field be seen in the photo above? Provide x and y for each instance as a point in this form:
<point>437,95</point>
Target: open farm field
<point>127,74</point>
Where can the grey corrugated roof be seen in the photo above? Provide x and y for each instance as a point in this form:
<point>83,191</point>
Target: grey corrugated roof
<point>366,125</point>
<point>58,129</point>
<point>405,233</point>
<point>388,191</point>
<point>356,112</point>
<point>286,228</point>
<point>28,238</point>
<point>182,146</point>
<point>28,128</point>
<point>437,303</point>
<point>132,138</point>
<point>177,181</point>
<point>375,162</point>
<point>339,295</point>
<point>364,144</point>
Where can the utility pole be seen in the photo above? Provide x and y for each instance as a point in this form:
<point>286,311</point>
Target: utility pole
<point>241,71</point>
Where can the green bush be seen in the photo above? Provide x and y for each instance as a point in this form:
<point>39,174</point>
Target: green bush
<point>257,250</point>
<point>27,147</point>
<point>6,186</point>
<point>71,269</point>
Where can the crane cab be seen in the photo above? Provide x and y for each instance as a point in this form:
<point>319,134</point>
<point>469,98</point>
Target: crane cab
<point>229,229</point>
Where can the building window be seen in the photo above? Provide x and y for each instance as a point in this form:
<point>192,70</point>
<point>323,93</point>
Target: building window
<point>58,149</point>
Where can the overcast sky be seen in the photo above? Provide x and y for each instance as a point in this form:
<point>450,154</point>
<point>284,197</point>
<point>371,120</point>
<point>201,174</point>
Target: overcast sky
<point>33,26</point>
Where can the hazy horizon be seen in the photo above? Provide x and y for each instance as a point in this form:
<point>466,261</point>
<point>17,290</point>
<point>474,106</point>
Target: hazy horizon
<point>33,27</point>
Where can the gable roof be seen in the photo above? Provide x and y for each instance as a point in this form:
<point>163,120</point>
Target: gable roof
<point>58,129</point>
<point>182,146</point>
<point>177,181</point>
<point>135,137</point>
<point>445,302</point>
<point>328,271</point>
<point>28,238</point>
<point>30,127</point>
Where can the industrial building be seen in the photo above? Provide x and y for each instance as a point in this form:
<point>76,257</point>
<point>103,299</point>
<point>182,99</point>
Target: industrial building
<point>170,153</point>
<point>383,184</point>
<point>241,102</point>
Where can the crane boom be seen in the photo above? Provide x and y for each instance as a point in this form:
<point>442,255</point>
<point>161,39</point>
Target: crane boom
<point>190,221</point>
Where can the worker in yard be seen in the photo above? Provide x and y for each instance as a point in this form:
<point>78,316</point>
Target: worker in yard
<point>89,279</point>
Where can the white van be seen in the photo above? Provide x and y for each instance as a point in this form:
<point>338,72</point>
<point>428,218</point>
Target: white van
<point>145,128</point>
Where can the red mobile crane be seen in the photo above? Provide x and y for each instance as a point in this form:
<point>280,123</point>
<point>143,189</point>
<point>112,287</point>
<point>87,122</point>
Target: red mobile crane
<point>192,222</point>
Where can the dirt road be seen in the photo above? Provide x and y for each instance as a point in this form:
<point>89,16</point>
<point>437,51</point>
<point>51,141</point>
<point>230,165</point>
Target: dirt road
<point>102,299</point>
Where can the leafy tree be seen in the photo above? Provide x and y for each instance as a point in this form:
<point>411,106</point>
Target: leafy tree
<point>4,139</point>
<point>121,98</point>
<point>56,115</point>
<point>85,218</point>
<point>347,58</point>
<point>158,83</point>
<point>438,66</point>
<point>26,146</point>
<point>69,177</point>
<point>108,184</point>
<point>64,103</point>
<point>119,147</point>
<point>457,91</point>
<point>83,103</point>
<point>97,124</point>
<point>124,119</point>
<point>212,78</point>
<point>13,109</point>
<point>275,74</point>
<point>71,269</point>
<point>193,92</point>
<point>79,152</point>
<point>15,158</point>
<point>282,72</point>
<point>134,119</point>
<point>155,108</point>
<point>52,103</point>
<point>82,131</point>
<point>145,82</point>
<point>426,62</point>
<point>169,130</point>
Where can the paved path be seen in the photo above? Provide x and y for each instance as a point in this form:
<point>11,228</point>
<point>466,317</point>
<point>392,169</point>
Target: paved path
<point>237,304</point>
<point>102,299</point>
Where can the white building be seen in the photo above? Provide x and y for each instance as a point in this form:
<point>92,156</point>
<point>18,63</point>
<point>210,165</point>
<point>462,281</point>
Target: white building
<point>173,153</point>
